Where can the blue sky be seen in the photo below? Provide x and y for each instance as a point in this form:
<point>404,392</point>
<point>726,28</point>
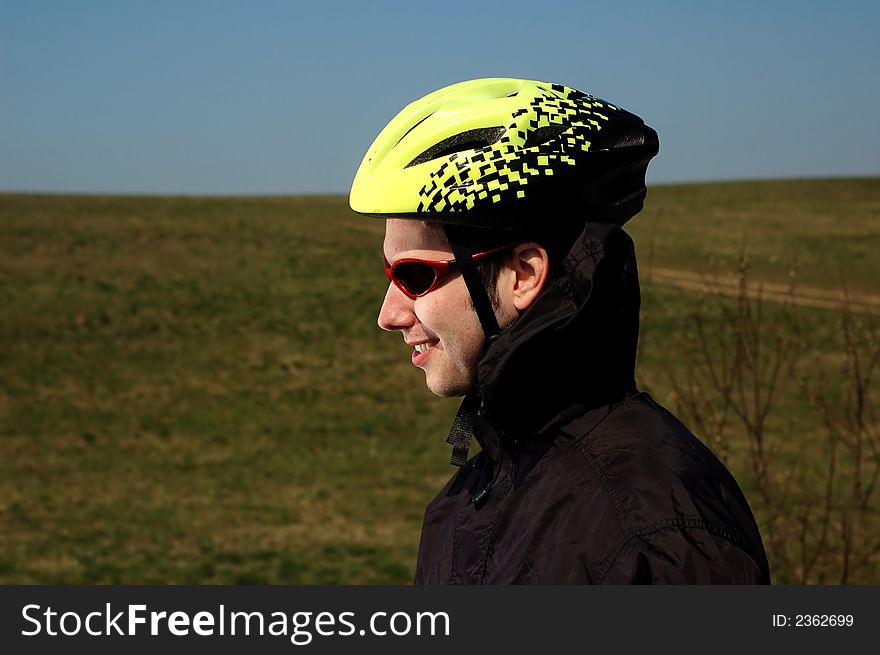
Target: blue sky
<point>234,97</point>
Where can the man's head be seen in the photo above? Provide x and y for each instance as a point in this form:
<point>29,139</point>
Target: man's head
<point>442,325</point>
<point>482,164</point>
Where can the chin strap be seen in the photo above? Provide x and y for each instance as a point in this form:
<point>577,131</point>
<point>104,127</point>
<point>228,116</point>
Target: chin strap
<point>462,429</point>
<point>471,274</point>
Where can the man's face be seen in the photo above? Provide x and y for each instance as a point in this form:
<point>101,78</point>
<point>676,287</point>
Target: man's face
<point>443,320</point>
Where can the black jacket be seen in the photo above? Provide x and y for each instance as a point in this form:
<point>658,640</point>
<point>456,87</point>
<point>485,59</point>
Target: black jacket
<point>582,478</point>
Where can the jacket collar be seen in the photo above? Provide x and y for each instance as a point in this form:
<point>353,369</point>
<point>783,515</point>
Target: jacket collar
<point>571,351</point>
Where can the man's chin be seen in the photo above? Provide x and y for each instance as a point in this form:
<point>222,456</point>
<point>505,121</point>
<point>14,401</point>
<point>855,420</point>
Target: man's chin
<point>447,388</point>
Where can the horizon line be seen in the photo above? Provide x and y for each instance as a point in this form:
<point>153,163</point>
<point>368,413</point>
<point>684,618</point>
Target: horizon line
<point>333,194</point>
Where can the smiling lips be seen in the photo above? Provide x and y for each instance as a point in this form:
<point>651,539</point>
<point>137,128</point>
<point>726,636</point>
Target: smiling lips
<point>421,352</point>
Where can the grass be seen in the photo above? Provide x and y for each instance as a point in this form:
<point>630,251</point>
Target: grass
<point>824,229</point>
<point>195,390</point>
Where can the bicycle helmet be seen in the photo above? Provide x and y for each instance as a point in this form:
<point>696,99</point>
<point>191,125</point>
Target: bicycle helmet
<point>501,153</point>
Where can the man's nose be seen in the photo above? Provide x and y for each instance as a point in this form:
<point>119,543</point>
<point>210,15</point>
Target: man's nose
<point>397,310</point>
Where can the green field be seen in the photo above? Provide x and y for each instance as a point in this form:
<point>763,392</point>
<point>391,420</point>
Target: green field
<point>825,230</point>
<point>194,390</point>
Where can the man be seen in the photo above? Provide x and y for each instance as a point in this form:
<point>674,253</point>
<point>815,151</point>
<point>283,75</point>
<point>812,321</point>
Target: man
<point>515,286</point>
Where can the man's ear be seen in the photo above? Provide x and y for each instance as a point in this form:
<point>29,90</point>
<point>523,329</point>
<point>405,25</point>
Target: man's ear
<point>531,265</point>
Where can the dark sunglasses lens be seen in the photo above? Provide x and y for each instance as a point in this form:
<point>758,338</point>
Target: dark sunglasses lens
<point>415,277</point>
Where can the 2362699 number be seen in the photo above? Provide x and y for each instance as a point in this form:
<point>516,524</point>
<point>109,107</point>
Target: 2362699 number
<point>822,620</point>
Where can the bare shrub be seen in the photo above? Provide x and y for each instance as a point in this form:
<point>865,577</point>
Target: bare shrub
<point>803,439</point>
<point>849,518</point>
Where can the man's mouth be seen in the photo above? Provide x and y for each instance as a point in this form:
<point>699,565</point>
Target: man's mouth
<point>421,351</point>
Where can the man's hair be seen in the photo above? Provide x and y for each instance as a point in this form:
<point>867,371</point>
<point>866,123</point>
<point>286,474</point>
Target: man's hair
<point>557,242</point>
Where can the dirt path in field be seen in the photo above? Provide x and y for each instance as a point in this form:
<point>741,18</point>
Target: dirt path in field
<point>729,285</point>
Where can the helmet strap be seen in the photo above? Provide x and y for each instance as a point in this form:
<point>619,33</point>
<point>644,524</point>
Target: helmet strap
<point>473,280</point>
<point>463,427</point>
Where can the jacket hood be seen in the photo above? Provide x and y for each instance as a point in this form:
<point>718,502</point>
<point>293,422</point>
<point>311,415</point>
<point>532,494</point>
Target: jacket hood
<point>573,349</point>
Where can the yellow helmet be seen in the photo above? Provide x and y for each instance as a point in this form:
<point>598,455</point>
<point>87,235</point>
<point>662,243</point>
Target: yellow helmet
<point>502,153</point>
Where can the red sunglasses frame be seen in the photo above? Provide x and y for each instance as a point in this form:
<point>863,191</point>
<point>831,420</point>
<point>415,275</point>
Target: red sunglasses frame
<point>442,269</point>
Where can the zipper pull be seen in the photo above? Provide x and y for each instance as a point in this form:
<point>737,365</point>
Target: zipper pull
<point>480,498</point>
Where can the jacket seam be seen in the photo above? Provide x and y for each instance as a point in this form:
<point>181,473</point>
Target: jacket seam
<point>685,522</point>
<point>491,534</point>
<point>583,447</point>
<point>456,540</point>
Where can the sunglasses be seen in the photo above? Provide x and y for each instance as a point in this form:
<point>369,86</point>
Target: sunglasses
<point>416,277</point>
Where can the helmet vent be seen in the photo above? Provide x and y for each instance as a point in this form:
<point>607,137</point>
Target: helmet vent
<point>479,138</point>
<point>619,135</point>
<point>543,134</point>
